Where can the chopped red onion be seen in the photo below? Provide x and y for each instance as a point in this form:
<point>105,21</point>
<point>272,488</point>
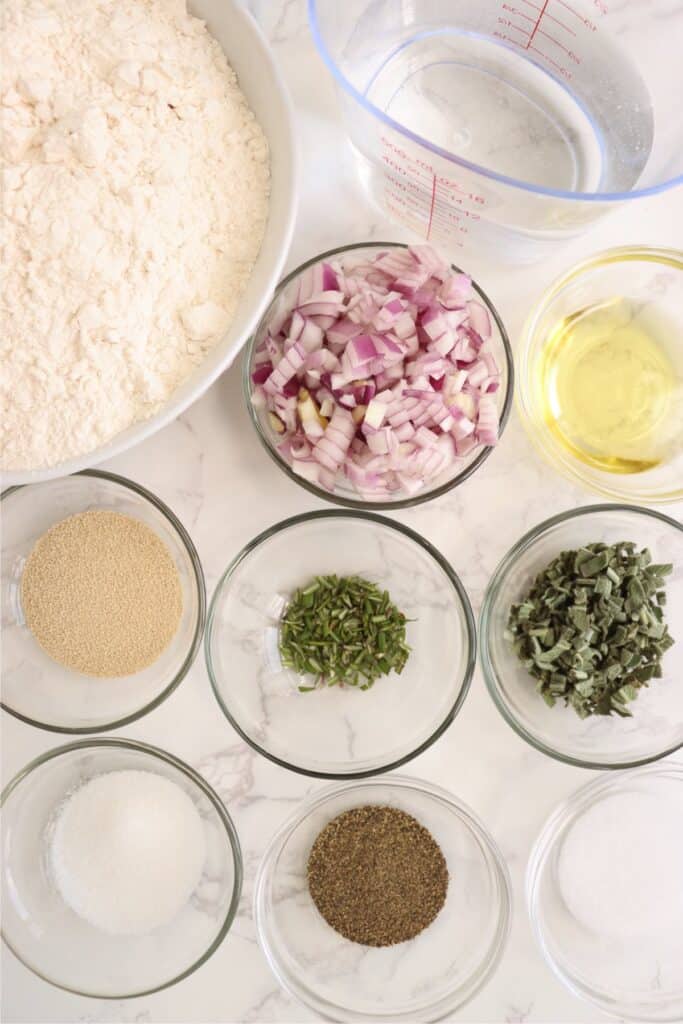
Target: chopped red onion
<point>306,468</point>
<point>380,370</point>
<point>261,373</point>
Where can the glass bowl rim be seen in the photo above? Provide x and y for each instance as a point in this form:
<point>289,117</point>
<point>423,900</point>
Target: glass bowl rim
<point>359,503</point>
<point>533,428</point>
<point>560,817</point>
<point>467,617</point>
<point>194,776</point>
<point>200,583</point>
<point>467,816</point>
<point>520,546</point>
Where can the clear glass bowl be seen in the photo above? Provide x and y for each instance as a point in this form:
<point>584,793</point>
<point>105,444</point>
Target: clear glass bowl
<point>59,946</point>
<point>633,972</point>
<point>423,979</point>
<point>608,741</point>
<point>344,493</point>
<point>338,732</point>
<point>42,692</point>
<point>649,277</point>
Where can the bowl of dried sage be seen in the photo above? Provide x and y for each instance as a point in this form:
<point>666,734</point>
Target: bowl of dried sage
<point>580,636</point>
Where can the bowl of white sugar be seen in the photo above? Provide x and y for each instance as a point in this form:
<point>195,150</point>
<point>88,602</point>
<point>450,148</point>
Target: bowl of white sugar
<point>149,195</point>
<point>122,868</point>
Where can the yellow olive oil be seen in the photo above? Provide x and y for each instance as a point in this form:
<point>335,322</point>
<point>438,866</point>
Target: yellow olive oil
<point>609,387</point>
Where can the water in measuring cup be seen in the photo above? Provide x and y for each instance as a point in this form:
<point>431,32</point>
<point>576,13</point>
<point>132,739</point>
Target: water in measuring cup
<point>492,105</point>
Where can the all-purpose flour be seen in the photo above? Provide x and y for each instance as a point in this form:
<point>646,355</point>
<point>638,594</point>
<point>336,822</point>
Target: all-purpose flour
<point>135,194</point>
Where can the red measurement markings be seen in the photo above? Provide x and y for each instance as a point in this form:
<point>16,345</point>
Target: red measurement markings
<point>508,39</point>
<point>535,22</point>
<point>506,23</point>
<point>565,72</point>
<point>403,215</point>
<point>538,22</point>
<point>414,220</point>
<point>538,28</point>
<point>407,192</point>
<point>577,14</point>
<point>570,53</point>
<point>551,17</point>
<point>516,10</point>
<point>463,195</point>
<point>446,221</point>
<point>431,206</point>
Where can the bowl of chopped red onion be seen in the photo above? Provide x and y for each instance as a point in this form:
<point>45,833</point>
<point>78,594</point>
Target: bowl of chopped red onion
<point>379,375</point>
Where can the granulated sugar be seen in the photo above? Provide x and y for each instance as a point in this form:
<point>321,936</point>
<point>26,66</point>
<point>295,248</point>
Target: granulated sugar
<point>101,594</point>
<point>127,850</point>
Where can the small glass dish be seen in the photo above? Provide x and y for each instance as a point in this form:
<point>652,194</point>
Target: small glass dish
<point>344,493</point>
<point>39,690</point>
<point>423,979</point>
<point>58,945</point>
<point>338,732</point>
<point>600,741</point>
<point>631,966</point>
<point>651,281</point>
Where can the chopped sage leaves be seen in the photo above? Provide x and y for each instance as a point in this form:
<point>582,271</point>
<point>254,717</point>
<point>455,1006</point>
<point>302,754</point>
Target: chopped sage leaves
<point>343,631</point>
<point>591,629</point>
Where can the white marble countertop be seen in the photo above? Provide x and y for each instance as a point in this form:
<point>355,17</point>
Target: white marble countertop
<point>209,467</point>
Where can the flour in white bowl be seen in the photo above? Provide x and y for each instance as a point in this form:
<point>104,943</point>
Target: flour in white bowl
<point>135,185</point>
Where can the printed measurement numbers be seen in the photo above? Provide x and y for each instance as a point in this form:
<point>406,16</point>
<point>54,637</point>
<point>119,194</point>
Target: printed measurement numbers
<point>548,28</point>
<point>430,203</point>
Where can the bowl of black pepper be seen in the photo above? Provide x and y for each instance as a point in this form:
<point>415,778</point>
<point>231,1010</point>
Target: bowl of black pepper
<point>581,636</point>
<point>340,644</point>
<point>383,899</point>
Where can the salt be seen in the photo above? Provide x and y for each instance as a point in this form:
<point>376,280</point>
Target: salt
<point>621,866</point>
<point>127,850</point>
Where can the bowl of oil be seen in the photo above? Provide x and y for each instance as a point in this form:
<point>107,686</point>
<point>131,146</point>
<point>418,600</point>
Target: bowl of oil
<point>600,374</point>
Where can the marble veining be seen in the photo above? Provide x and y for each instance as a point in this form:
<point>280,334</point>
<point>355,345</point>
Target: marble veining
<point>210,468</point>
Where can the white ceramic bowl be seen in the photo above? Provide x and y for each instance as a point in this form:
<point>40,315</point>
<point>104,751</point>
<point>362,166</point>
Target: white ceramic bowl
<point>260,80</point>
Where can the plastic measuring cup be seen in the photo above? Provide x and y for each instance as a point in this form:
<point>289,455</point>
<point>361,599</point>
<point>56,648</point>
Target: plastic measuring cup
<point>512,122</point>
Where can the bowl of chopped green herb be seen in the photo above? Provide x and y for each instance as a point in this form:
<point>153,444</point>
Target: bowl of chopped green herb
<point>340,644</point>
<point>578,635</point>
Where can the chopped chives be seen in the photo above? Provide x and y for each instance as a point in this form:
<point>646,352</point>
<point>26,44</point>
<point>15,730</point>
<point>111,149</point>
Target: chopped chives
<point>344,630</point>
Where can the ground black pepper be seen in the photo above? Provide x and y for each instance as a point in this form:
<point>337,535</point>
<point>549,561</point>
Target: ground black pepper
<point>377,876</point>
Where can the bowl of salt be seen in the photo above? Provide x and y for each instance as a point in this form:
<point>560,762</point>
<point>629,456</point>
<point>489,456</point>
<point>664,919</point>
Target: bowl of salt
<point>605,892</point>
<point>121,868</point>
